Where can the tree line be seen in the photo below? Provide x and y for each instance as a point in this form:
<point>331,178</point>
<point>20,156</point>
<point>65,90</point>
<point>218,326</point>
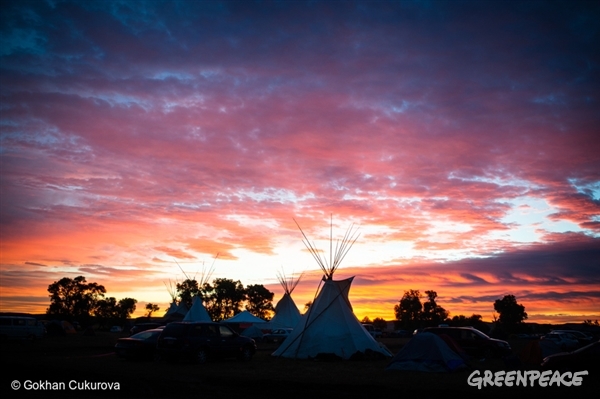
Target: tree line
<point>86,302</point>
<point>411,313</point>
<point>224,298</point>
<point>77,300</point>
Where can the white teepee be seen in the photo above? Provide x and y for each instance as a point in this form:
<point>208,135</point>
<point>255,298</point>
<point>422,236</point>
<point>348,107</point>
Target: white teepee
<point>330,327</point>
<point>287,314</point>
<point>197,312</point>
<point>174,308</point>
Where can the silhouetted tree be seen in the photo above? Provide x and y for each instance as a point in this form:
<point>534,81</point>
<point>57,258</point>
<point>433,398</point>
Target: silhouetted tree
<point>510,312</point>
<point>74,299</point>
<point>307,306</point>
<point>380,323</point>
<point>108,311</point>
<point>474,320</point>
<point>259,301</point>
<point>151,308</point>
<point>408,311</point>
<point>224,298</point>
<point>126,308</point>
<point>432,313</point>
<point>187,290</point>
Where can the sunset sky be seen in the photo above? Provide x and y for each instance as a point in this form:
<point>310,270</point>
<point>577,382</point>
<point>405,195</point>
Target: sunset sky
<point>461,138</point>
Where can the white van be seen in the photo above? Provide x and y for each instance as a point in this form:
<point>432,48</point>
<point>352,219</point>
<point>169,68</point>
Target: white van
<point>20,327</point>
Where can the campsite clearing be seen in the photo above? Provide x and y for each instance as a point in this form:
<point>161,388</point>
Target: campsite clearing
<point>91,358</point>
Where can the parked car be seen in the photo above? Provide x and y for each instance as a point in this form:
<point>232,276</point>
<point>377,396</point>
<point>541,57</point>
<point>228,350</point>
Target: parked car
<point>200,341</point>
<point>138,346</point>
<point>564,341</point>
<point>20,327</point>
<point>116,329</point>
<point>586,358</point>
<point>473,341</point>
<point>144,326</point>
<point>277,335</point>
<point>375,332</point>
<point>400,334</point>
<point>581,337</point>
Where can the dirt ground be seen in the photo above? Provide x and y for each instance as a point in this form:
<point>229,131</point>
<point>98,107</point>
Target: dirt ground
<point>78,362</point>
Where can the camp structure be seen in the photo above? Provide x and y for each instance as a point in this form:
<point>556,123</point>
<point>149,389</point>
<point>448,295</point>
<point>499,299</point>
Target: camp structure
<point>287,314</point>
<point>244,317</point>
<point>176,311</point>
<point>253,332</point>
<point>329,329</point>
<point>57,327</point>
<point>426,352</point>
<point>197,312</point>
<point>244,320</point>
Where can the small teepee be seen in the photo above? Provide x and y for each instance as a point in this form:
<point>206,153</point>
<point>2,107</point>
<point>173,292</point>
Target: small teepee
<point>197,312</point>
<point>329,328</point>
<point>287,314</point>
<point>175,311</point>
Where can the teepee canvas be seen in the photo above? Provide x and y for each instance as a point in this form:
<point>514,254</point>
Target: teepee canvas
<point>197,312</point>
<point>329,327</point>
<point>287,314</point>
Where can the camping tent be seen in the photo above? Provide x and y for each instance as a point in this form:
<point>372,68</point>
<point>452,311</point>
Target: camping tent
<point>197,312</point>
<point>243,320</point>
<point>287,314</point>
<point>426,352</point>
<point>329,327</point>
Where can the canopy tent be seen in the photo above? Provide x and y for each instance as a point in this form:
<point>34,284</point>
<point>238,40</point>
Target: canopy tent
<point>244,317</point>
<point>426,352</point>
<point>252,332</point>
<point>244,320</point>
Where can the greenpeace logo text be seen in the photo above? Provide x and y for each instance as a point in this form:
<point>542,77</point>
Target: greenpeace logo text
<point>522,378</point>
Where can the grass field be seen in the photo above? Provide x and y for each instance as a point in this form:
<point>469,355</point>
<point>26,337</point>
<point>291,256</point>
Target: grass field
<point>91,359</point>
